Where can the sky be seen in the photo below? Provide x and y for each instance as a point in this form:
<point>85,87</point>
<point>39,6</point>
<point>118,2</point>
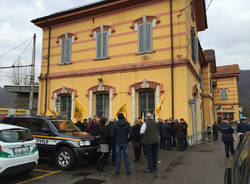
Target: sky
<point>227,33</point>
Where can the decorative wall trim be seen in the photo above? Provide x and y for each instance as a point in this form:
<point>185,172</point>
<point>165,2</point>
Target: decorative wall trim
<point>146,85</point>
<point>64,35</point>
<point>64,90</point>
<point>105,88</point>
<point>99,29</point>
<point>154,19</point>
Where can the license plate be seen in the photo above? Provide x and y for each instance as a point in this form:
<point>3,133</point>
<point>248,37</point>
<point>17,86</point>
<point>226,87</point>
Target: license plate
<point>21,151</point>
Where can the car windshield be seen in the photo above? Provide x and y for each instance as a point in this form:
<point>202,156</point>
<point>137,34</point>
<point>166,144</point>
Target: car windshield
<point>15,135</point>
<point>65,126</point>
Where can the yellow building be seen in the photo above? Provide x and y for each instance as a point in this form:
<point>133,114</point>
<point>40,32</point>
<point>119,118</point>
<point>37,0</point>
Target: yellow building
<point>208,68</point>
<point>128,52</point>
<point>226,104</point>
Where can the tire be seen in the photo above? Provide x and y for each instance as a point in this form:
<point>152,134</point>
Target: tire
<point>65,158</point>
<point>27,172</point>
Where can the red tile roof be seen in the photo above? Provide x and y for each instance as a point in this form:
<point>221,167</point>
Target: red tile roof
<point>227,71</point>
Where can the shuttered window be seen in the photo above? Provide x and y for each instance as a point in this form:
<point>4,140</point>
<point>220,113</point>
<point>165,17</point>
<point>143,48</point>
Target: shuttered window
<point>145,41</point>
<point>102,104</point>
<point>146,102</point>
<point>66,48</point>
<point>211,86</point>
<point>102,45</point>
<point>194,46</point>
<point>65,106</point>
<point>224,94</point>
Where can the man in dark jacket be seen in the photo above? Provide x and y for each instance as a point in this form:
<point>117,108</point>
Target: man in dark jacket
<point>242,128</point>
<point>137,140</point>
<point>215,131</point>
<point>179,133</point>
<point>121,132</point>
<point>162,138</point>
<point>173,138</point>
<point>91,124</point>
<point>112,140</point>
<point>167,129</point>
<point>185,127</point>
<point>150,138</point>
<point>227,137</point>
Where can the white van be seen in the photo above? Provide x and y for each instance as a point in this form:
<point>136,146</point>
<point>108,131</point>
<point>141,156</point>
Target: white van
<point>18,151</point>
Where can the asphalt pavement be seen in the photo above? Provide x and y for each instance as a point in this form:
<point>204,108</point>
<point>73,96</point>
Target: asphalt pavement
<point>203,163</point>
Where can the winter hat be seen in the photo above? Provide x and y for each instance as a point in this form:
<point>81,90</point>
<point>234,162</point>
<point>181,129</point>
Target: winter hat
<point>121,116</point>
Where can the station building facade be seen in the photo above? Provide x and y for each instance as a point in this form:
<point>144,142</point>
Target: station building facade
<point>129,52</point>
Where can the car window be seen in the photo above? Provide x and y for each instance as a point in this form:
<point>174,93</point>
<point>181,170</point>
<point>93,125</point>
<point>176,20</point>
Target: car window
<point>240,165</point>
<point>38,124</point>
<point>65,126</point>
<point>15,135</point>
<point>22,122</point>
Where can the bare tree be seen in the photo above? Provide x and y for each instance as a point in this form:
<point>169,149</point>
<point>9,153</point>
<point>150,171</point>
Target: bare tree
<point>20,76</point>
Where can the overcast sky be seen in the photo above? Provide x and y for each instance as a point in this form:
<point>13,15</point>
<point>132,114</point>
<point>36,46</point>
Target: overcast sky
<point>227,33</point>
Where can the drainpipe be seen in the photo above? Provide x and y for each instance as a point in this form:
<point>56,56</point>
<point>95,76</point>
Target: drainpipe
<point>47,73</point>
<point>172,55</point>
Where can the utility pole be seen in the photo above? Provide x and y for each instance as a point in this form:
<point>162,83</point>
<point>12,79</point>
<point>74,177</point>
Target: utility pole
<point>32,74</point>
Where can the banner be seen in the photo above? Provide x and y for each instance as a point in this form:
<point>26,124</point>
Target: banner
<point>158,108</point>
<point>79,111</point>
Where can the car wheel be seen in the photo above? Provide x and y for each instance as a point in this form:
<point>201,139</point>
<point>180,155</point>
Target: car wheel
<point>27,172</point>
<point>65,158</point>
<point>227,176</point>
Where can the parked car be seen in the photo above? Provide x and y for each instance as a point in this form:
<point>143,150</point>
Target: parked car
<point>59,139</point>
<point>18,151</point>
<point>238,168</point>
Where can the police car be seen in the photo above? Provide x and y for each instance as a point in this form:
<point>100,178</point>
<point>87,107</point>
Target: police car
<point>59,139</point>
<point>18,151</point>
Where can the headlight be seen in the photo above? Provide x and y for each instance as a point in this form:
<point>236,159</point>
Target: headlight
<point>84,143</point>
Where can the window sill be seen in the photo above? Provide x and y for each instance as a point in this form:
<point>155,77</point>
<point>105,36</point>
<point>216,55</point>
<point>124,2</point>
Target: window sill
<point>143,53</point>
<point>64,64</point>
<point>98,59</point>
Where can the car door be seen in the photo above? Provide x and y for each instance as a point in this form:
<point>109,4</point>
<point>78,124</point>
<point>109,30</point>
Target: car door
<point>42,132</point>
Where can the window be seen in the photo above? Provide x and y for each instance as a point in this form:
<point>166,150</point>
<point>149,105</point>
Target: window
<point>194,46</point>
<point>66,47</point>
<point>224,94</point>
<point>37,125</point>
<point>228,116</point>
<point>145,41</point>
<point>211,86</point>
<point>102,104</point>
<point>102,45</point>
<point>65,107</point>
<point>146,102</point>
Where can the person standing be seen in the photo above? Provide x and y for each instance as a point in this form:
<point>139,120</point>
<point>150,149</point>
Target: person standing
<point>242,128</point>
<point>137,140</point>
<point>167,134</point>
<point>227,137</point>
<point>91,124</point>
<point>121,133</point>
<point>112,140</point>
<point>173,138</point>
<point>215,131</point>
<point>179,133</point>
<point>104,145</point>
<point>150,138</point>
<point>162,138</point>
<point>185,127</point>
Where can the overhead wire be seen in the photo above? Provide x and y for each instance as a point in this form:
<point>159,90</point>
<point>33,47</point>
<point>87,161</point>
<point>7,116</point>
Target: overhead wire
<point>15,47</point>
<point>209,4</point>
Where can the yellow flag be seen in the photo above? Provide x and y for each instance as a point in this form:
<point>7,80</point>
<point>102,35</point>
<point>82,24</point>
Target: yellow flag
<point>79,111</point>
<point>51,113</point>
<point>123,110</point>
<point>142,118</point>
<point>158,108</point>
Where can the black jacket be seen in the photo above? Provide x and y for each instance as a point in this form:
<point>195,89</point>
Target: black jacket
<point>95,129</point>
<point>242,127</point>
<point>227,132</point>
<point>121,132</point>
<point>160,125</point>
<point>104,135</point>
<point>136,132</point>
<point>167,129</point>
<point>185,127</point>
<point>215,128</point>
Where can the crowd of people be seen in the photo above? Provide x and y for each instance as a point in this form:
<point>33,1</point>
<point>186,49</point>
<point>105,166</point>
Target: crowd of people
<point>146,137</point>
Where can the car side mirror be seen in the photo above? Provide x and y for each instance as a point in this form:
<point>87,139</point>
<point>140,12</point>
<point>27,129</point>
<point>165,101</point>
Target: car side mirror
<point>45,130</point>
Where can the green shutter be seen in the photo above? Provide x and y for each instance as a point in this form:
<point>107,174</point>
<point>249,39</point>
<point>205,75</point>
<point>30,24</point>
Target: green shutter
<point>141,41</point>
<point>63,51</point>
<point>98,45</point>
<point>105,44</point>
<point>68,50</point>
<point>149,40</point>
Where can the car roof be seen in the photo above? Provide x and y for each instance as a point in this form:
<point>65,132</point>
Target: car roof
<point>7,126</point>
